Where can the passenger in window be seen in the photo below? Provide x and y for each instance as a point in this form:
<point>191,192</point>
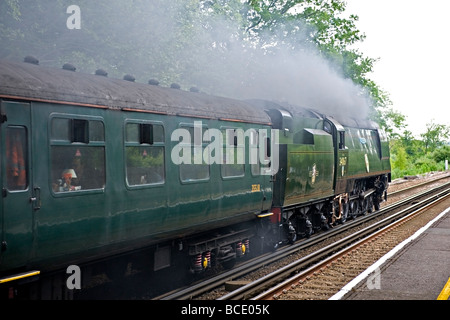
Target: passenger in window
<point>67,176</point>
<point>78,168</point>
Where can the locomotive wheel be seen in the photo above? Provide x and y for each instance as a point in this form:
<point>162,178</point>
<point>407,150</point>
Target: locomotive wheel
<point>345,208</point>
<point>292,237</point>
<point>370,204</point>
<point>364,206</point>
<point>291,234</point>
<point>376,203</point>
<point>353,208</point>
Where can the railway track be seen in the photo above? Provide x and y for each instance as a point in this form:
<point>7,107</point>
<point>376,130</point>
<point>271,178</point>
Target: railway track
<point>196,290</point>
<point>327,277</point>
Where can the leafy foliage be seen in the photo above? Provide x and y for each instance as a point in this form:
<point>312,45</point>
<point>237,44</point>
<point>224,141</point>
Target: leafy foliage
<point>410,156</point>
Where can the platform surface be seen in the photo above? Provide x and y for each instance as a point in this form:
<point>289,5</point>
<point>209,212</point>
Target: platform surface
<point>420,270</point>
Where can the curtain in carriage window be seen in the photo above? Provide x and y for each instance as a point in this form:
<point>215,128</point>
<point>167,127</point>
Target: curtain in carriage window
<point>16,158</point>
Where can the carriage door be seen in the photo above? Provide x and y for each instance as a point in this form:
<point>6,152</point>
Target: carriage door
<point>17,201</point>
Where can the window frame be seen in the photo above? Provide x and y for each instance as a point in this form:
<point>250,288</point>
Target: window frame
<point>204,145</point>
<point>144,143</point>
<point>236,145</point>
<point>74,144</point>
<point>24,157</point>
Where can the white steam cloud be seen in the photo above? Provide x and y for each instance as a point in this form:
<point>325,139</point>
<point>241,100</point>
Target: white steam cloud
<point>185,42</point>
<point>302,78</point>
<point>278,73</point>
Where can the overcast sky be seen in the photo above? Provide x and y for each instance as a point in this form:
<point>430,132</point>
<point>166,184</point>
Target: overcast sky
<point>410,38</point>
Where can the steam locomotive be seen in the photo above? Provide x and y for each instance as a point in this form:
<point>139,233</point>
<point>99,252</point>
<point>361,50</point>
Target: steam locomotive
<point>93,168</point>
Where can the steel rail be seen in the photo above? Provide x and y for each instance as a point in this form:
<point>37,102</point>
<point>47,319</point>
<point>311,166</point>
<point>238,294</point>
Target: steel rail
<point>199,288</point>
<point>419,185</point>
<point>321,257</point>
<point>372,233</point>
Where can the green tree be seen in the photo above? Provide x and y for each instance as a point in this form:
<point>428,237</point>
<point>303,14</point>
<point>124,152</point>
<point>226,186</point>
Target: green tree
<point>392,122</point>
<point>435,136</point>
<point>441,154</point>
<point>400,159</point>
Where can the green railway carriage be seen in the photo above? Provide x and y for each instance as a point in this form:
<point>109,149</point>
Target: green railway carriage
<point>87,171</point>
<point>94,168</point>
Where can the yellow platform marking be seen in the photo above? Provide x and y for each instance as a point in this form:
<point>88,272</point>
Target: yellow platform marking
<point>445,293</point>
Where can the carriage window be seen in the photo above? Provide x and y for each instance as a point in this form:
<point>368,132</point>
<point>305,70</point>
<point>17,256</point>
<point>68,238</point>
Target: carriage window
<point>146,133</point>
<point>233,153</point>
<point>77,154</point>
<point>16,158</point>
<point>60,129</point>
<point>253,143</point>
<point>79,131</point>
<point>74,130</point>
<point>197,169</point>
<point>96,131</point>
<point>232,166</point>
<point>144,148</point>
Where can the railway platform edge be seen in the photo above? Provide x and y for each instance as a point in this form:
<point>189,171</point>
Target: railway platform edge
<point>416,269</point>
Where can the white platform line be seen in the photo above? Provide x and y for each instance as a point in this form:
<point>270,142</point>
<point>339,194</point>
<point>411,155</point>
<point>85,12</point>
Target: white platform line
<point>349,286</point>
